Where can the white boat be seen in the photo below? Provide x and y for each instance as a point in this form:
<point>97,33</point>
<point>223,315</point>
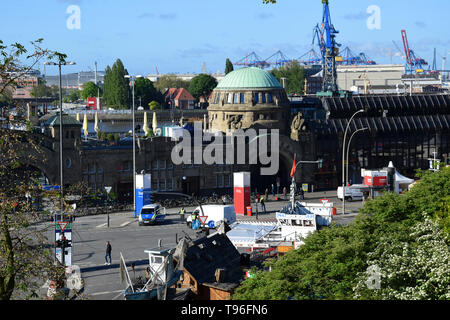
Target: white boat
<point>292,225</point>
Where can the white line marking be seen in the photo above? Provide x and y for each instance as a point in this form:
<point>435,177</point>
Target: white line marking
<point>102,293</point>
<point>101,225</point>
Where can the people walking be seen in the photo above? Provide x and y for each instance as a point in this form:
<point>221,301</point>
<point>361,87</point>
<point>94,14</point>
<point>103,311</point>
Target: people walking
<point>182,211</point>
<point>263,204</point>
<point>108,253</point>
<point>284,192</point>
<point>273,191</point>
<point>266,194</point>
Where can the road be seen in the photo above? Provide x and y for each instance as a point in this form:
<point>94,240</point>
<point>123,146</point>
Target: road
<point>90,233</point>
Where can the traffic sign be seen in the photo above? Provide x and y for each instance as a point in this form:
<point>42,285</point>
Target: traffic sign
<point>202,219</point>
<point>62,225</point>
<point>325,201</point>
<point>211,224</point>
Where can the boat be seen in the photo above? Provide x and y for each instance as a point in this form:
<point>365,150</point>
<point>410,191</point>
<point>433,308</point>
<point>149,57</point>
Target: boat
<point>292,225</point>
<point>161,273</point>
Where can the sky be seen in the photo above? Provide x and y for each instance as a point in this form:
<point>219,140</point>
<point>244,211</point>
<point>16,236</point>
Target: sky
<point>179,36</point>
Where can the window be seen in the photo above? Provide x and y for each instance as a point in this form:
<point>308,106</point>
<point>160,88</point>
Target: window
<point>242,98</point>
<point>155,165</point>
<point>229,98</point>
<point>236,98</point>
<point>162,164</point>
<point>263,97</point>
<point>269,97</point>
<point>217,98</point>
<point>256,97</point>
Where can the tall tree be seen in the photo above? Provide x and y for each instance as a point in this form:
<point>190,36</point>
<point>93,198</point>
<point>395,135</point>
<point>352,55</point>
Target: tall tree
<point>117,89</point>
<point>90,89</point>
<point>228,66</point>
<point>146,92</point>
<point>202,85</point>
<point>24,257</point>
<point>294,75</point>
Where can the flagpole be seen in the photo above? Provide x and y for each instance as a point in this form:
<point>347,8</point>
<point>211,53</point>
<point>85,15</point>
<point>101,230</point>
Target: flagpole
<point>293,186</point>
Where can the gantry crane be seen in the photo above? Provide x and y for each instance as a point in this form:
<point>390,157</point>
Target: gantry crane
<point>413,63</point>
<point>331,51</point>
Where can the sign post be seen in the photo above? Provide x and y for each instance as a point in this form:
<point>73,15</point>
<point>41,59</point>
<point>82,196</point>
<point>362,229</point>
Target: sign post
<point>63,240</point>
<point>108,190</point>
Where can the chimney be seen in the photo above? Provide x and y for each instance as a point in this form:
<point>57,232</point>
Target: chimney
<point>220,275</point>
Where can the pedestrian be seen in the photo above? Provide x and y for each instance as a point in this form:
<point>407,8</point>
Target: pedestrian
<point>182,211</point>
<point>273,191</point>
<point>263,205</point>
<point>284,192</point>
<point>258,198</point>
<point>224,200</point>
<point>301,193</point>
<point>108,253</point>
<point>267,193</point>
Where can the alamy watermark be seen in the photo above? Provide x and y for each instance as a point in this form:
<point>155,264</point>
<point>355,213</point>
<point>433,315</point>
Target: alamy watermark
<point>73,22</point>
<point>223,148</point>
<point>374,21</point>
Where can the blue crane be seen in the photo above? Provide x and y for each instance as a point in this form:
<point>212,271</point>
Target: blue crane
<point>331,50</point>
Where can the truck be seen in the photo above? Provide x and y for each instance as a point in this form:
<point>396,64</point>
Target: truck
<point>151,214</point>
<point>353,192</point>
<point>213,215</point>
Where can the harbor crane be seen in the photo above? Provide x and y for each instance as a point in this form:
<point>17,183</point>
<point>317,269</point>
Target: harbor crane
<point>413,63</point>
<point>331,51</point>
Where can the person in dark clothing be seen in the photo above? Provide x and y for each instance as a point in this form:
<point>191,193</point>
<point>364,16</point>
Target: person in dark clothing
<point>108,253</point>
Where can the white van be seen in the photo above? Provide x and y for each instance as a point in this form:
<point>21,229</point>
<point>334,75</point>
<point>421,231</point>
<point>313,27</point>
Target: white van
<point>353,192</point>
<point>213,215</point>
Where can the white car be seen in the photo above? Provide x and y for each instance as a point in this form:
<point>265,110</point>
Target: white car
<point>353,192</point>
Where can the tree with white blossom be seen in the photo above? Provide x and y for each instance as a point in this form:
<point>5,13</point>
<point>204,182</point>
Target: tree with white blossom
<point>415,268</point>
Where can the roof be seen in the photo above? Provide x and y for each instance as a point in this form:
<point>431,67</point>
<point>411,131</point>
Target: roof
<point>179,94</point>
<point>208,254</point>
<point>249,78</point>
<point>67,121</point>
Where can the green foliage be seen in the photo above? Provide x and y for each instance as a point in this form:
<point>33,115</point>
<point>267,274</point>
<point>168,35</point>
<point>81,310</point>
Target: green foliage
<point>42,90</point>
<point>202,85</point>
<point>405,235</point>
<point>110,137</point>
<point>228,66</point>
<point>154,105</point>
<point>295,77</point>
<point>90,89</point>
<point>116,89</point>
<point>170,81</point>
<point>145,90</point>
<point>73,96</point>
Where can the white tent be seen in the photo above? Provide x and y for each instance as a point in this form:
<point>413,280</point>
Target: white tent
<point>401,182</point>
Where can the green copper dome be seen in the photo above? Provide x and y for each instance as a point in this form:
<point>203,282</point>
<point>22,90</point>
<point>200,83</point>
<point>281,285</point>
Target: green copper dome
<point>249,78</point>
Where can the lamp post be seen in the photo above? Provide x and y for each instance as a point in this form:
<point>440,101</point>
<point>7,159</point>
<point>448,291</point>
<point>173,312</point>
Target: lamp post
<point>133,80</point>
<point>348,149</point>
<point>61,62</point>
<point>343,159</point>
<point>293,180</point>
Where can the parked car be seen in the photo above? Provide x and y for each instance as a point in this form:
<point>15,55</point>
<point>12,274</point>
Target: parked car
<point>353,192</point>
<point>151,214</point>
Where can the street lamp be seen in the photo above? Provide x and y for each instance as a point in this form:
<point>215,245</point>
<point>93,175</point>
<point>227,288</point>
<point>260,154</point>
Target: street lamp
<point>348,148</point>
<point>60,63</point>
<point>343,158</point>
<point>133,79</point>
